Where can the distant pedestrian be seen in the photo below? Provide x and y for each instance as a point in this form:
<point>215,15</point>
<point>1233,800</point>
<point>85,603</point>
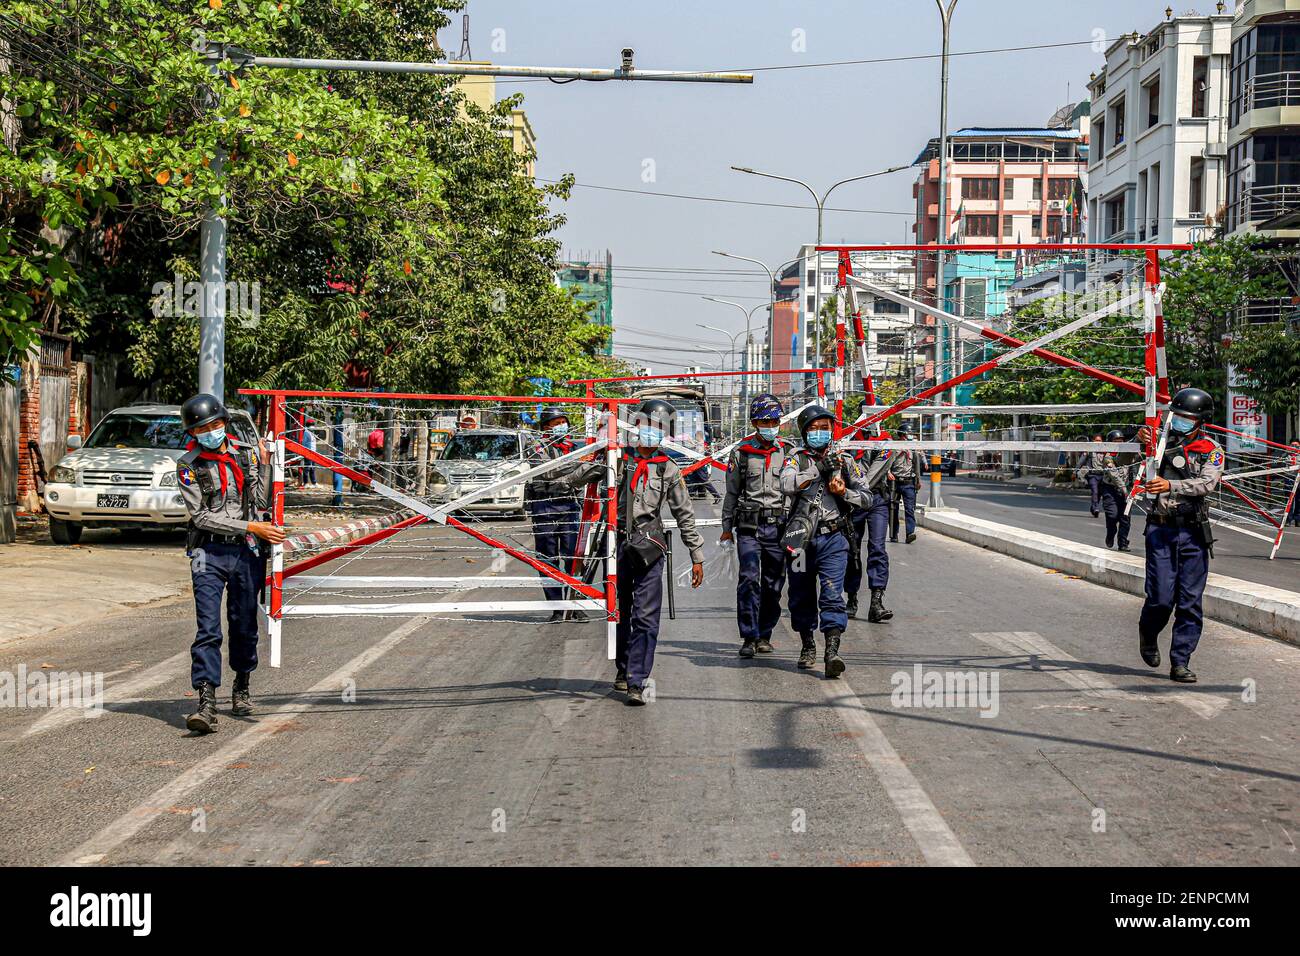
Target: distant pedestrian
<point>554,509</point>
<point>1090,471</point>
<point>1117,477</point>
<point>905,476</point>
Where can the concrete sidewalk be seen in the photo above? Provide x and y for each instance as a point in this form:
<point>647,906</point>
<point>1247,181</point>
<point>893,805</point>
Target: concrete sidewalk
<point>1266,610</point>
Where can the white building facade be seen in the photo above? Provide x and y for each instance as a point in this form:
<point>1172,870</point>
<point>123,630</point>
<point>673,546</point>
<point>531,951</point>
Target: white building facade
<point>1159,133</point>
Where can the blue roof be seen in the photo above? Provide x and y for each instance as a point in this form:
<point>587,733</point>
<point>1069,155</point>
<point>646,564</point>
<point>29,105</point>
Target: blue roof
<point>976,132</point>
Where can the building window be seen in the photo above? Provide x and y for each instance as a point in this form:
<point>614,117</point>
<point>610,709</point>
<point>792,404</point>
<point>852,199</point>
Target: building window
<point>1097,141</point>
<point>888,306</point>
<point>1151,92</point>
<point>1114,216</point>
<point>1117,113</point>
<point>1038,189</point>
<point>1263,178</point>
<point>1262,58</point>
<point>982,226</point>
<point>1036,227</point>
<point>1008,224</point>
<point>1059,187</point>
<point>891,343</point>
<point>812,304</point>
<point>1008,189</point>
<point>1055,232</point>
<point>1200,85</point>
<point>973,188</point>
<point>1196,188</point>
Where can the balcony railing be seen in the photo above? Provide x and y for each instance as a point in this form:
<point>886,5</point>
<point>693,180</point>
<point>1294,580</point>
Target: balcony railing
<point>1269,90</point>
<point>1259,203</point>
<point>1264,311</point>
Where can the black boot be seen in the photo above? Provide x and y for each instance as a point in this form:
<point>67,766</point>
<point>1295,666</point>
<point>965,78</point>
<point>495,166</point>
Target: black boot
<point>620,680</point>
<point>1182,674</point>
<point>241,702</point>
<point>1149,649</point>
<point>878,611</point>
<point>747,649</point>
<point>578,616</point>
<point>911,538</point>
<point>834,666</point>
<point>808,653</point>
<point>763,645</point>
<point>852,605</point>
<point>204,720</point>
<point>556,617</point>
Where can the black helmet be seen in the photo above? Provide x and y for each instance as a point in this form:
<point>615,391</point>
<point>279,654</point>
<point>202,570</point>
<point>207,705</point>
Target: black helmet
<point>550,413</point>
<point>811,414</point>
<point>903,433</point>
<point>1193,403</point>
<point>201,410</point>
<point>657,410</point>
<point>1116,435</point>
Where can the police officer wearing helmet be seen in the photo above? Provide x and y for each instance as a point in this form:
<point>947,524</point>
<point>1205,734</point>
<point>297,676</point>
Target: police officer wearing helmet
<point>553,507</point>
<point>905,475</point>
<point>1116,479</point>
<point>224,490</point>
<point>647,478</point>
<point>823,485</point>
<point>753,514</point>
<point>870,523</point>
<point>1179,543</point>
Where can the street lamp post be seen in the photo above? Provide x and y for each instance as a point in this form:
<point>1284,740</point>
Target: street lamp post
<point>936,497</point>
<point>820,202</point>
<point>731,354</point>
<point>748,314</point>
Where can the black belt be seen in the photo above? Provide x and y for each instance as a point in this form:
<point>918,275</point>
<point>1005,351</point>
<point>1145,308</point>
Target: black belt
<point>831,526</point>
<point>1175,521</point>
<point>207,537</point>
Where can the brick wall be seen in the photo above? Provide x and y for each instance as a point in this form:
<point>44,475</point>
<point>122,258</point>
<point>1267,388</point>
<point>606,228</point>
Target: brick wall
<point>29,429</point>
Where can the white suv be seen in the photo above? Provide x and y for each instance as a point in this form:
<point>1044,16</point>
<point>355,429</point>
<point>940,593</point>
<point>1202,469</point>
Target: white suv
<point>124,475</point>
<point>477,457</point>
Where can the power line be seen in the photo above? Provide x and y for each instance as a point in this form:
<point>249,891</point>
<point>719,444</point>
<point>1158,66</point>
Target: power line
<point>734,202</point>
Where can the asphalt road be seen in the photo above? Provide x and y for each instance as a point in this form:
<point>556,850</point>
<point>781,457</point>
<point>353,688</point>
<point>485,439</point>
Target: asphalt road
<point>496,741</point>
<point>1066,516</point>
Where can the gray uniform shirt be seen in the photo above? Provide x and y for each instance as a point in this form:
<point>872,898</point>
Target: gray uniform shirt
<point>552,484</point>
<point>754,481</point>
<point>642,506</point>
<point>1094,463</point>
<point>199,482</point>
<point>802,467</point>
<point>1117,475</point>
<point>1202,462</point>
<point>904,468</point>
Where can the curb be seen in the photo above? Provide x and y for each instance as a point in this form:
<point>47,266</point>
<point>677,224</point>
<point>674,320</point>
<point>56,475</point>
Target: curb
<point>311,540</point>
<point>1266,610</point>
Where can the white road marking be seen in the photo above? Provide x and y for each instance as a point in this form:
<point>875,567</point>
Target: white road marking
<point>1017,643</point>
<point>97,848</point>
<point>126,692</point>
<point>938,844</point>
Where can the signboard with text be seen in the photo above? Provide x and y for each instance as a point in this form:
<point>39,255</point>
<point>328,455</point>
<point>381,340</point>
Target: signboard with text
<point>1245,416</point>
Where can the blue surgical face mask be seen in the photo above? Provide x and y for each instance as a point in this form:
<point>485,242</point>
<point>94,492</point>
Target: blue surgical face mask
<point>212,440</point>
<point>768,434</point>
<point>818,439</point>
<point>650,437</point>
<point>1183,426</point>
<point>559,431</point>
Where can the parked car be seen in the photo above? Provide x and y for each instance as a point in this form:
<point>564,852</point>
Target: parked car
<point>477,457</point>
<point>124,474</point>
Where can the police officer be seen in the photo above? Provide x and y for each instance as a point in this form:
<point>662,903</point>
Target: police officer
<point>824,485</point>
<point>1178,539</point>
<point>905,475</point>
<point>1116,480</point>
<point>554,509</point>
<point>647,478</point>
<point>224,491</point>
<point>1090,470</point>
<point>753,513</point>
<point>871,522</point>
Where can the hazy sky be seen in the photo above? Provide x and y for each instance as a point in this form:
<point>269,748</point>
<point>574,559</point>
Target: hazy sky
<point>818,124</point>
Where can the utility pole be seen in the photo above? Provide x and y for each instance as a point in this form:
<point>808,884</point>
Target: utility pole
<point>212,237</point>
<point>936,497</point>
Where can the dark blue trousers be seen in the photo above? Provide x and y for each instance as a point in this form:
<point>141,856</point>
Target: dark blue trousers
<point>555,538</point>
<point>640,597</point>
<point>872,524</point>
<point>762,575</point>
<point>817,583</point>
<point>1117,522</point>
<point>1177,566</point>
<point>238,572</point>
<point>907,494</point>
<point>1094,485</point>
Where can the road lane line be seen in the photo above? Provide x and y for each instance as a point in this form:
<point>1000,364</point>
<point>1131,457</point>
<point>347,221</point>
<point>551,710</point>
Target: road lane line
<point>1017,643</point>
<point>935,839</point>
<point>161,800</point>
<point>129,691</point>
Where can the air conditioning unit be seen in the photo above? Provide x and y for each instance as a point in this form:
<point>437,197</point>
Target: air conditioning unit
<point>1056,204</point>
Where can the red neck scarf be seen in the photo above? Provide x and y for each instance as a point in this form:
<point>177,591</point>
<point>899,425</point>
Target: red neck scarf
<point>224,459</point>
<point>643,466</point>
<point>1201,446</point>
<point>564,445</point>
<point>751,449</point>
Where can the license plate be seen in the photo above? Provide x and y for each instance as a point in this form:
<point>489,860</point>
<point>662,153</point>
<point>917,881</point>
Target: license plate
<point>112,501</point>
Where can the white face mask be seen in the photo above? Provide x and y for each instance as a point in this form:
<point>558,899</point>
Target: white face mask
<point>559,431</point>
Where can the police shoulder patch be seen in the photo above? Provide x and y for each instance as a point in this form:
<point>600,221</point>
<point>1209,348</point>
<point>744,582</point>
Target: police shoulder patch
<point>1216,458</point>
<point>185,475</point>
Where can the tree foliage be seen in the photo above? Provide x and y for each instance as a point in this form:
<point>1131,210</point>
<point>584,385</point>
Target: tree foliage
<point>388,225</point>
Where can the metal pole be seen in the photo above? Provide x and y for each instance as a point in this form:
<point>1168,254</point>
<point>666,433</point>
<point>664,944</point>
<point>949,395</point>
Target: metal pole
<point>936,496</point>
<point>212,269</point>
